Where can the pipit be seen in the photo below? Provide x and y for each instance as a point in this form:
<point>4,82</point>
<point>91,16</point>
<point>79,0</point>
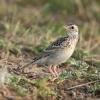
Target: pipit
<point>58,51</point>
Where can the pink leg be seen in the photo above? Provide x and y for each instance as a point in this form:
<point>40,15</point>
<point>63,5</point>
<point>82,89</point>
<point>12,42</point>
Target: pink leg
<point>56,71</point>
<point>51,71</point>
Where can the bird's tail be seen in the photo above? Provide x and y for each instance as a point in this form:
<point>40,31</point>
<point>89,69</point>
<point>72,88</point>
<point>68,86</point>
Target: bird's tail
<point>27,64</point>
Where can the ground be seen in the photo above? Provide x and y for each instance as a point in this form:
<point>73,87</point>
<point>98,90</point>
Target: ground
<point>27,27</point>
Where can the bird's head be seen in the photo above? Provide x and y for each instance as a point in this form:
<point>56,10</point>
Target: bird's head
<point>71,28</point>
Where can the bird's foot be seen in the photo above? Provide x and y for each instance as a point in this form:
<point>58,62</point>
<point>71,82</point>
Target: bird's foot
<point>52,78</point>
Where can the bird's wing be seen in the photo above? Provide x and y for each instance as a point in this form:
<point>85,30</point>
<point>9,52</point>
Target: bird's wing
<point>42,55</point>
<point>60,43</point>
<point>55,46</point>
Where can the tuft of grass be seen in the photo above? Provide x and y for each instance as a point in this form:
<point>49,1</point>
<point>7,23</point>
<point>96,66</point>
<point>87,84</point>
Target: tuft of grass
<point>21,86</point>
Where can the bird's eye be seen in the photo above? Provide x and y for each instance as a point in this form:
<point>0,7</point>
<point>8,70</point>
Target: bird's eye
<point>72,27</point>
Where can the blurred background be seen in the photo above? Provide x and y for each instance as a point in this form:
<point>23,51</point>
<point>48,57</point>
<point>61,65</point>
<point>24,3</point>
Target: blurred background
<point>28,26</point>
<point>33,22</point>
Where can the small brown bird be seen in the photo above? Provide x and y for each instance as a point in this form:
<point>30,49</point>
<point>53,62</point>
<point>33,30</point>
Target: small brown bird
<point>59,51</point>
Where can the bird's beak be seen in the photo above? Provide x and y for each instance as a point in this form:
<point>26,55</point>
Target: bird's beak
<point>65,27</point>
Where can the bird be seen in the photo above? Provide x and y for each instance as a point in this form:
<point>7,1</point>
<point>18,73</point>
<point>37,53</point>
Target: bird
<point>59,51</point>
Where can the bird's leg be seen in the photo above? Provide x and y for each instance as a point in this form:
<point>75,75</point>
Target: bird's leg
<point>51,70</point>
<point>55,73</point>
<point>55,69</point>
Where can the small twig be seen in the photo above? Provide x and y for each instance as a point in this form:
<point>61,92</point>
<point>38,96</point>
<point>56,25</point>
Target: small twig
<point>84,84</point>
